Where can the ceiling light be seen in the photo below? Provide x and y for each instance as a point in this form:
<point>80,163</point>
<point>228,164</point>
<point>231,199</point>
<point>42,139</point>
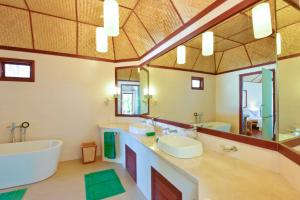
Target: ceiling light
<point>181,53</point>
<point>111,17</point>
<point>101,40</point>
<point>278,43</point>
<point>207,43</point>
<point>261,20</point>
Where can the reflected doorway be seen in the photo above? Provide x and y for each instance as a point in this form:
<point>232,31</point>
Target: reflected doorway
<point>257,104</point>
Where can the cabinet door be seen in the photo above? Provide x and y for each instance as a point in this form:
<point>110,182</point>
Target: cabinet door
<point>162,189</point>
<point>130,162</point>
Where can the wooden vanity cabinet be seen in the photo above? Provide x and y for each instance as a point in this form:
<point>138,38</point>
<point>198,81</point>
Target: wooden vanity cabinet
<point>130,157</point>
<point>162,189</point>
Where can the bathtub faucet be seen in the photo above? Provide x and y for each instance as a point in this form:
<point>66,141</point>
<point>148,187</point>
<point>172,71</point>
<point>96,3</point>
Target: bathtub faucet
<point>22,127</point>
<point>12,132</point>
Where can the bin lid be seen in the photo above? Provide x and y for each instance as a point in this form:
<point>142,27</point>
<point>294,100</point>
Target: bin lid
<point>88,144</point>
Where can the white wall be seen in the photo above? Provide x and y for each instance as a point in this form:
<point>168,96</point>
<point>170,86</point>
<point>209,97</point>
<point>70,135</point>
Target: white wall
<point>175,100</point>
<point>254,94</point>
<point>227,96</point>
<point>65,102</point>
<point>289,93</point>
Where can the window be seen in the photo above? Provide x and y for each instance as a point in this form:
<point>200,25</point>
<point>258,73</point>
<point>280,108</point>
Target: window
<point>16,70</point>
<point>197,83</point>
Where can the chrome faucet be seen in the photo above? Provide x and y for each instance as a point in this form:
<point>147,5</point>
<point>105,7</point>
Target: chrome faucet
<point>12,132</point>
<point>22,127</point>
<point>153,120</point>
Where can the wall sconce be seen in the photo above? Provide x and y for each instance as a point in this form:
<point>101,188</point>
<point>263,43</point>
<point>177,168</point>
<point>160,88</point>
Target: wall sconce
<point>148,94</point>
<point>116,91</point>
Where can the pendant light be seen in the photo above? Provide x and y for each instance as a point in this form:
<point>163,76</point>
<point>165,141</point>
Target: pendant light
<point>181,53</point>
<point>101,40</point>
<point>278,43</point>
<point>207,43</point>
<point>111,17</point>
<point>261,20</point>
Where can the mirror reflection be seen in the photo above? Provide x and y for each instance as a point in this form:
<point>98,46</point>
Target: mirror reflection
<point>288,50</point>
<point>132,83</point>
<point>236,61</point>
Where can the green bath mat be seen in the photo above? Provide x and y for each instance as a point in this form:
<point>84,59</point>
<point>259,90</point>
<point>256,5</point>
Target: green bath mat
<point>102,184</point>
<point>13,195</point>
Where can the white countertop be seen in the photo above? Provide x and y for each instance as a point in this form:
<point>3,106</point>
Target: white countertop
<point>221,177</point>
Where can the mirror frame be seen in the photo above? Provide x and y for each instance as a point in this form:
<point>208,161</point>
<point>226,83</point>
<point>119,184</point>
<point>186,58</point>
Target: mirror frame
<point>116,84</point>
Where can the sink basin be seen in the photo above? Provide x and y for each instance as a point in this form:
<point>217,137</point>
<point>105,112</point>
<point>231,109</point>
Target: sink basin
<point>180,146</point>
<point>140,129</point>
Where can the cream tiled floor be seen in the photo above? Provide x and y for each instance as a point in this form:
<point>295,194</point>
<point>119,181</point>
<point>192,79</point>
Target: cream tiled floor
<point>68,183</point>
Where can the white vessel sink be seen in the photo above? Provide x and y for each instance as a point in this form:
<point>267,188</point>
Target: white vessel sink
<point>140,128</point>
<point>180,146</point>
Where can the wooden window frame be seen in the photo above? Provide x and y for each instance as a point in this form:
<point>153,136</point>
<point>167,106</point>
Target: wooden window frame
<point>201,79</point>
<point>14,61</point>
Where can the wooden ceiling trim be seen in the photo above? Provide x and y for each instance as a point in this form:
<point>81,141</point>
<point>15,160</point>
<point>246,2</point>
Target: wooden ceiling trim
<point>178,14</point>
<point>132,10</point>
<point>215,63</point>
<point>226,38</point>
<point>130,74</point>
<point>219,62</point>
<point>41,13</point>
<point>138,17</point>
<point>248,55</point>
<point>114,49</point>
<point>196,61</point>
<point>131,43</point>
<point>120,5</point>
<point>30,20</point>
<point>181,69</point>
<point>77,28</point>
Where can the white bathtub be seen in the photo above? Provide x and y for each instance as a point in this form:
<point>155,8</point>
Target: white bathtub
<point>219,126</point>
<point>28,162</point>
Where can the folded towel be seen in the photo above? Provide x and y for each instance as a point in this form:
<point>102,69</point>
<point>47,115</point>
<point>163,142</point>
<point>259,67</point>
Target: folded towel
<point>109,145</point>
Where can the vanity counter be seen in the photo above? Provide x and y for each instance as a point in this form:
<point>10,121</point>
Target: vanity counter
<point>219,176</point>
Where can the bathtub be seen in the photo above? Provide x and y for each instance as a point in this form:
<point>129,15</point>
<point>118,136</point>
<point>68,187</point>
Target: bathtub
<point>28,162</point>
<point>219,126</point>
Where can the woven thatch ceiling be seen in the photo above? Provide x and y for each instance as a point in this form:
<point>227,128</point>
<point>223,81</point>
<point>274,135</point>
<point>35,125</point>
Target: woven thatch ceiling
<point>235,46</point>
<point>68,26</point>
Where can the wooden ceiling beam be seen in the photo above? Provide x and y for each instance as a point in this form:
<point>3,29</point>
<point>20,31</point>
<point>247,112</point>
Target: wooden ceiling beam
<point>126,20</point>
<point>153,40</point>
<point>220,62</point>
<point>248,55</point>
<point>120,5</point>
<point>49,15</point>
<point>77,28</point>
<point>178,14</point>
<point>30,21</point>
<point>131,43</point>
<point>114,49</point>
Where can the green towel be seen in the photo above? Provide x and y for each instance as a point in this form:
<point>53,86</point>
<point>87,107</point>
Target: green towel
<point>13,195</point>
<point>109,145</point>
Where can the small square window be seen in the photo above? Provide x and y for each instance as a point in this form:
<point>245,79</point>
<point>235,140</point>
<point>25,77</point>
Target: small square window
<point>16,70</point>
<point>197,83</point>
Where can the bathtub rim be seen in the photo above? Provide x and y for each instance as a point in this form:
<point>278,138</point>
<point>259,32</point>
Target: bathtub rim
<point>58,145</point>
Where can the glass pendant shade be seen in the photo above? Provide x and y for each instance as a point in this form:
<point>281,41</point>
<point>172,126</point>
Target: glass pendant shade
<point>101,40</point>
<point>181,54</point>
<point>278,43</point>
<point>111,17</point>
<point>261,20</point>
<point>208,43</point>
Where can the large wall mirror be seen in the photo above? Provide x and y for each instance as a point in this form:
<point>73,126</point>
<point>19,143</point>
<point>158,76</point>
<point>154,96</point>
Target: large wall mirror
<point>288,50</point>
<point>133,86</point>
<point>236,65</point>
